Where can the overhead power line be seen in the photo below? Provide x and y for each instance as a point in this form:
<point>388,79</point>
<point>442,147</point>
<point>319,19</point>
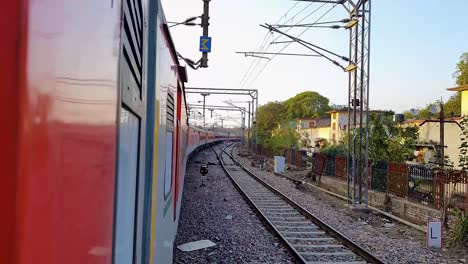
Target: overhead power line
<point>312,47</point>
<point>251,53</point>
<point>282,49</point>
<point>308,15</point>
<point>346,20</point>
<point>267,37</point>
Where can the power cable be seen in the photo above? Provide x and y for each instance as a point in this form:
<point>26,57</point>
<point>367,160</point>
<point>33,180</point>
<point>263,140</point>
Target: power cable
<point>267,37</point>
<point>305,30</point>
<point>269,44</point>
<point>308,15</point>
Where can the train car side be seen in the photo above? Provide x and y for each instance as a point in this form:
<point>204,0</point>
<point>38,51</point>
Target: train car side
<point>95,137</point>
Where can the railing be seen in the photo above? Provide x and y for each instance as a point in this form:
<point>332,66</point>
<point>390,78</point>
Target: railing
<point>379,176</point>
<point>420,184</point>
<point>417,183</point>
<point>451,187</point>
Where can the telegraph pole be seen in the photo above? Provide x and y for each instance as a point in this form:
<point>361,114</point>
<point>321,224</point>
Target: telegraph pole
<point>442,143</point>
<point>205,23</point>
<point>249,127</point>
<point>204,98</point>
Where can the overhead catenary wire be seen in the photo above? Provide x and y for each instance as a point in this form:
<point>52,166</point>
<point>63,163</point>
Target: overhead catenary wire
<point>287,21</point>
<point>275,40</point>
<point>305,30</point>
<point>346,20</point>
<point>288,43</point>
<point>296,39</point>
<point>267,37</point>
<point>312,47</point>
<point>264,41</point>
<point>252,54</point>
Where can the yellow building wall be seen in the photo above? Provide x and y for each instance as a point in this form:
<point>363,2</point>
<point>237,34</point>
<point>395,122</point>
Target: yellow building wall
<point>464,103</point>
<point>315,133</point>
<point>324,132</point>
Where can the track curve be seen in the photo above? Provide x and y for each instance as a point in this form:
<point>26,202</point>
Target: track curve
<point>307,237</point>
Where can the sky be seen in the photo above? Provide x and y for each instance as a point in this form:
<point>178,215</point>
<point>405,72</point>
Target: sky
<point>415,45</point>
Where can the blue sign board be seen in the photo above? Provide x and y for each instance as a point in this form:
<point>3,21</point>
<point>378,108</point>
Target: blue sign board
<point>205,44</point>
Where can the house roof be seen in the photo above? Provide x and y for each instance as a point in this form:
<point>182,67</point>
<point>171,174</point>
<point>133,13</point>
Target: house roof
<point>423,121</point>
<point>342,110</point>
<point>446,120</point>
<point>413,121</point>
<point>459,88</point>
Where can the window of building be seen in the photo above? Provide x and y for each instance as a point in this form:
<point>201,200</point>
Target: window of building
<point>334,126</point>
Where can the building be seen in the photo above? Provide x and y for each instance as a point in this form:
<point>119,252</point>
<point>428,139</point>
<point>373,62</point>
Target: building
<point>339,122</point>
<point>464,97</point>
<point>314,133</point>
<point>428,146</point>
<point>429,139</point>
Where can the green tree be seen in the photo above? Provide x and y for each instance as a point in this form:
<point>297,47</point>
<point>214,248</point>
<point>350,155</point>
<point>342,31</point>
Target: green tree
<point>307,105</point>
<point>461,73</point>
<point>283,137</point>
<point>390,142</point>
<point>453,105</point>
<point>269,116</point>
<point>335,149</point>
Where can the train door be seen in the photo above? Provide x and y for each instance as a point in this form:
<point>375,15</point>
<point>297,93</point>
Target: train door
<point>128,197</point>
<point>177,153</point>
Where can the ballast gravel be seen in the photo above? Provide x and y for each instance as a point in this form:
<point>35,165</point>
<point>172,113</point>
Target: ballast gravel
<point>391,241</point>
<point>213,209</point>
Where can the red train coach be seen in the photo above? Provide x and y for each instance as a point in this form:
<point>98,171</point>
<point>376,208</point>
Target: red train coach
<point>94,133</point>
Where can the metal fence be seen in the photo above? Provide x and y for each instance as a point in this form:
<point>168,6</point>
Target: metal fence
<point>397,179</point>
<point>451,187</point>
<point>379,176</point>
<point>297,158</point>
<point>420,184</point>
<point>417,183</point>
<point>331,165</point>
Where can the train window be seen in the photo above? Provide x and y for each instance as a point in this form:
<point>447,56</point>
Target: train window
<point>169,145</point>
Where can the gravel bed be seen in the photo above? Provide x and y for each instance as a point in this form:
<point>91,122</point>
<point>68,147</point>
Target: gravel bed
<point>391,241</point>
<point>206,209</point>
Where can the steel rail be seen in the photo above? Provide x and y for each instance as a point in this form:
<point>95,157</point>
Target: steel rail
<point>256,208</point>
<point>367,256</point>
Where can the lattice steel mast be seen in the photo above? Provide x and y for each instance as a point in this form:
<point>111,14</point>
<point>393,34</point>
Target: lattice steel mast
<point>357,169</point>
<point>358,103</point>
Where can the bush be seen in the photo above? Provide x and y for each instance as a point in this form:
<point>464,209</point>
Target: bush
<point>459,232</point>
<point>334,150</point>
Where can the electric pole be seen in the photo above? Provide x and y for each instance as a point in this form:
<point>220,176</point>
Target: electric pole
<point>442,143</point>
<point>205,23</point>
<point>204,98</point>
<point>358,24</point>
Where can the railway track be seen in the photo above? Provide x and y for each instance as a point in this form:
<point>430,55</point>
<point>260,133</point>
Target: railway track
<point>306,236</point>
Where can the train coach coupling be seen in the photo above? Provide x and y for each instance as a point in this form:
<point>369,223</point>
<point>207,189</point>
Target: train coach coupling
<point>203,169</point>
